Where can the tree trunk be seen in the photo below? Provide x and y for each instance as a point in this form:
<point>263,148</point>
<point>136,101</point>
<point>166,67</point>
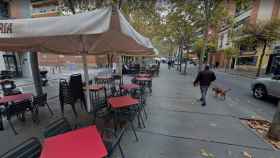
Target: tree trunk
<point>204,48</point>
<point>261,60</point>
<point>36,73</point>
<point>181,57</point>
<point>274,131</point>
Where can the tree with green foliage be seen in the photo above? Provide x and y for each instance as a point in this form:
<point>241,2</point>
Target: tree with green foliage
<point>213,14</point>
<point>229,53</point>
<point>261,34</point>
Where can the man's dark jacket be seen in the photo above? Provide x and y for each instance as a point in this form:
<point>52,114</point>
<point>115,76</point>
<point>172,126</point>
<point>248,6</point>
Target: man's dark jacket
<point>205,77</point>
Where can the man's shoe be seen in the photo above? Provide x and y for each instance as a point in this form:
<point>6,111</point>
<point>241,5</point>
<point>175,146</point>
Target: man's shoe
<point>203,104</point>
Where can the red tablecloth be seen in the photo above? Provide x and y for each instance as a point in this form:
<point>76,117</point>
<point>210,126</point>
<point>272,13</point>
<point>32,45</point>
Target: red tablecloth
<point>122,101</point>
<point>81,143</point>
<point>15,98</point>
<point>129,87</point>
<point>96,87</point>
<point>144,75</point>
<point>104,77</point>
<point>143,79</point>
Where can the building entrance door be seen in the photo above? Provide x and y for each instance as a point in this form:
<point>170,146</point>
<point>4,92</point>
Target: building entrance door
<point>11,64</point>
<point>232,63</point>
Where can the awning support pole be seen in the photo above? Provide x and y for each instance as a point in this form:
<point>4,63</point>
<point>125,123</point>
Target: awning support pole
<point>36,73</point>
<point>85,66</point>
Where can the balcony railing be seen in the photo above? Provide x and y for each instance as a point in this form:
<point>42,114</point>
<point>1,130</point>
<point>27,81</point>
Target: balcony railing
<point>43,10</point>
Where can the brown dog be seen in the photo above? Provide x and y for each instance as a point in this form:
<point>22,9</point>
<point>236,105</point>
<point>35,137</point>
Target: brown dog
<point>219,92</point>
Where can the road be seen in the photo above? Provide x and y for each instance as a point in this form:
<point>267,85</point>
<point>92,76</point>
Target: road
<point>241,95</point>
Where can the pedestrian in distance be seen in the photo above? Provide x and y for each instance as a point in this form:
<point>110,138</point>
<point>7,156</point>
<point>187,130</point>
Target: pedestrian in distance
<point>204,79</point>
<point>169,64</point>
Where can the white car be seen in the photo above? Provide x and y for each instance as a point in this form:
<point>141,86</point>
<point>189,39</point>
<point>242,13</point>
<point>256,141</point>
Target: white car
<point>269,86</point>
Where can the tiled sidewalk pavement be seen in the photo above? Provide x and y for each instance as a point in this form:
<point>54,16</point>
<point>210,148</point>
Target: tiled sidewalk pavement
<point>177,127</point>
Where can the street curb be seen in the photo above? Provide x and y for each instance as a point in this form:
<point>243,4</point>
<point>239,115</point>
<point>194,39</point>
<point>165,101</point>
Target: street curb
<point>235,74</point>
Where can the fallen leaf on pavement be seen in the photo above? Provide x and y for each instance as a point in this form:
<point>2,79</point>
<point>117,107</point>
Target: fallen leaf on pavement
<point>247,155</point>
<point>206,154</point>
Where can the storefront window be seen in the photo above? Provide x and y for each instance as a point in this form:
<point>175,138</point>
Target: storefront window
<point>4,13</point>
<point>252,60</point>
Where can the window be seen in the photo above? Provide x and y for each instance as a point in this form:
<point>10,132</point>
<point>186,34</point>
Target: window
<point>243,6</point>
<point>4,12</point>
<point>251,60</point>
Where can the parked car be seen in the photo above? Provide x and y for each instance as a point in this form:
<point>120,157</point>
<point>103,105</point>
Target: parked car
<point>263,87</point>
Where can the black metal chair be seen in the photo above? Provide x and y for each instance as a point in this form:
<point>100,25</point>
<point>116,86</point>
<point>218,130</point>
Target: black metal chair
<point>76,88</point>
<point>41,101</point>
<point>128,116</point>
<point>66,96</point>
<point>57,127</point>
<point>114,143</point>
<point>18,109</point>
<point>30,148</point>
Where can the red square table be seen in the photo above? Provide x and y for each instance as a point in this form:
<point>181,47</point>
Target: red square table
<point>143,79</point>
<point>122,102</point>
<point>95,87</point>
<point>144,75</point>
<point>15,98</point>
<point>81,143</point>
<point>129,87</point>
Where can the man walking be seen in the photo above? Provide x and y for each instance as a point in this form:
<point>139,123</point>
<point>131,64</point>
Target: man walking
<point>204,79</point>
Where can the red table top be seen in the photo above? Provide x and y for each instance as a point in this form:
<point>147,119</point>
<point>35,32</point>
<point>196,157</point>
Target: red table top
<point>5,80</point>
<point>130,86</point>
<point>15,98</point>
<point>81,143</point>
<point>143,79</point>
<point>144,75</point>
<point>122,101</point>
<point>104,77</point>
<point>96,87</point>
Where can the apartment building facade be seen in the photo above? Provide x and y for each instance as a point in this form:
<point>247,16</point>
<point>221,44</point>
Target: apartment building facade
<point>17,63</point>
<point>247,58</point>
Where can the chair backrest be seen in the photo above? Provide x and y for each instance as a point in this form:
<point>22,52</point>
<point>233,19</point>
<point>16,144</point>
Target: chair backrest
<point>116,142</point>
<point>17,108</point>
<point>76,85</point>
<point>57,127</point>
<point>30,148</point>
<point>65,94</point>
<point>38,100</point>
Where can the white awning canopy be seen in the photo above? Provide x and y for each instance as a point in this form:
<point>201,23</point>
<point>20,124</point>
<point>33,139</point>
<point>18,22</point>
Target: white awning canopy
<point>98,32</point>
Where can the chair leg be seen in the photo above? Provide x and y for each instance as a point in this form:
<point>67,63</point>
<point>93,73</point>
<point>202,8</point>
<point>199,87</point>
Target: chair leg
<point>12,126</point>
<point>49,108</point>
<point>142,119</point>
<point>83,101</point>
<point>138,120</point>
<point>1,122</point>
<point>62,108</point>
<point>133,129</point>
<point>121,150</point>
<point>35,115</point>
<point>145,112</point>
<point>74,110</point>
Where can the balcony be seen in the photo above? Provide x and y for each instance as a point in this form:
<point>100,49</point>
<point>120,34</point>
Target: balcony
<point>45,10</point>
<point>242,15</point>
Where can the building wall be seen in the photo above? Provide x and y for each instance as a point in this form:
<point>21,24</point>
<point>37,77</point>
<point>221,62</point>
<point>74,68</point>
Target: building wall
<point>260,10</point>
<point>265,10</point>
<point>4,14</point>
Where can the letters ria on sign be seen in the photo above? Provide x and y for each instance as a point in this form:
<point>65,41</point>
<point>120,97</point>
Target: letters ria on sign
<point>6,28</point>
